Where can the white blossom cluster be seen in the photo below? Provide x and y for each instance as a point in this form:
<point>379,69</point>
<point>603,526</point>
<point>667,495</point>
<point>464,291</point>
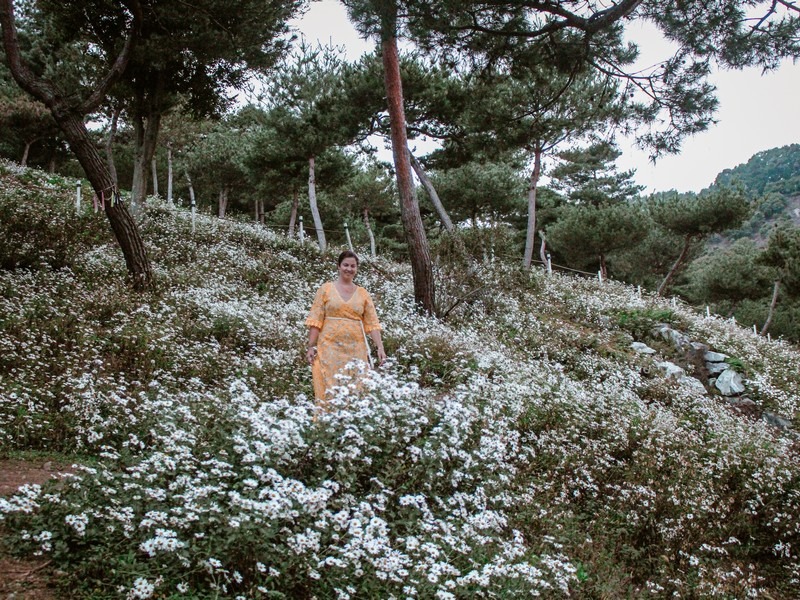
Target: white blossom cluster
<point>524,451</point>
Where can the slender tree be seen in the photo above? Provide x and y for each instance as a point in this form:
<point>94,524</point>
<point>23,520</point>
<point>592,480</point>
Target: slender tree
<point>381,18</point>
<point>695,218</point>
<point>782,254</point>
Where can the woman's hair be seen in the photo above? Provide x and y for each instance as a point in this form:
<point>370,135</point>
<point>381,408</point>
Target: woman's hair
<point>346,254</point>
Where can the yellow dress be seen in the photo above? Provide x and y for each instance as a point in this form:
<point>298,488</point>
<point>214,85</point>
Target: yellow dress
<point>343,327</point>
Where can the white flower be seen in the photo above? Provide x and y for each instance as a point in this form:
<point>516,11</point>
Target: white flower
<point>141,589</point>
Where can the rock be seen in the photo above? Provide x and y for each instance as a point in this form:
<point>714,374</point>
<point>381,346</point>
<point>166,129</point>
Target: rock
<point>776,420</point>
<point>695,384</point>
<point>642,348</point>
<point>715,357</point>
<point>744,406</point>
<point>699,347</point>
<point>730,383</point>
<point>676,338</point>
<point>715,368</point>
<point>671,370</point>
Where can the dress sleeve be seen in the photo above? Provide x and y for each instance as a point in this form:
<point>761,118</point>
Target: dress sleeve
<point>370,316</point>
<point>316,316</point>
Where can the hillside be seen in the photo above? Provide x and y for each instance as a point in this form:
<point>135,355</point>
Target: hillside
<point>772,180</point>
<point>520,448</point>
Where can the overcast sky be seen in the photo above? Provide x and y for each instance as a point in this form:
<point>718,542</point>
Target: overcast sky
<point>756,112</point>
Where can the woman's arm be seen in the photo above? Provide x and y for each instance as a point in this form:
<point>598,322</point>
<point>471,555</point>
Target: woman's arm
<point>311,353</point>
<point>376,339</point>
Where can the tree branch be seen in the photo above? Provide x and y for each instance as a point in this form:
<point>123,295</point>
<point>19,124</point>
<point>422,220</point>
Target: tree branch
<point>99,93</point>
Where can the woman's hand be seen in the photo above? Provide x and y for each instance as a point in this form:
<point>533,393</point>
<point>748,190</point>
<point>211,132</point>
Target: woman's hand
<point>381,357</point>
<point>311,354</point>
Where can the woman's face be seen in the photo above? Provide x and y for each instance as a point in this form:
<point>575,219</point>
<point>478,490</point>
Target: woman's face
<point>348,268</point>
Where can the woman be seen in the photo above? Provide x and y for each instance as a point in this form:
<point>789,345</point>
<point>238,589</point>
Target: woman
<point>338,324</point>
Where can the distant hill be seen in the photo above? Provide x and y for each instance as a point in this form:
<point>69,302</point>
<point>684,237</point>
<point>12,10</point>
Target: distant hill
<point>771,171</point>
<point>772,180</point>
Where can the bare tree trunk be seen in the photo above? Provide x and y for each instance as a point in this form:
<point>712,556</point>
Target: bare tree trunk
<point>258,205</point>
<point>687,242</point>
<point>24,161</point>
<point>432,194</point>
<point>543,249</point>
<point>112,132</point>
<point>372,249</point>
<point>772,305</point>
<point>421,264</point>
<point>146,129</point>
<point>312,199</point>
<point>603,267</point>
<point>223,202</point>
<point>531,231</point>
<point>293,214</point>
<point>169,173</point>
<point>192,199</point>
<point>154,170</point>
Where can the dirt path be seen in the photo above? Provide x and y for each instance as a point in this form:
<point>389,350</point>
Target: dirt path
<point>25,579</point>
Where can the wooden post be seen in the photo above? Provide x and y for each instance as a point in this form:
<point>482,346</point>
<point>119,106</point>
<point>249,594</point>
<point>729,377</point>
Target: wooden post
<point>302,231</point>
<point>600,276</point>
<point>169,174</point>
<point>78,198</point>
<point>549,264</point>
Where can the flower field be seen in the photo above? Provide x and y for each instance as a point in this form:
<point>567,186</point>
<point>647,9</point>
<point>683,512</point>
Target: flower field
<point>519,449</point>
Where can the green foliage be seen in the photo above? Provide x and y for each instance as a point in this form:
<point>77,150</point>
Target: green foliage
<point>39,225</point>
<point>730,273</point>
<point>640,322</point>
<point>476,191</point>
<point>698,216</point>
<point>585,234</point>
<point>783,254</point>
<point>588,176</point>
<point>773,171</point>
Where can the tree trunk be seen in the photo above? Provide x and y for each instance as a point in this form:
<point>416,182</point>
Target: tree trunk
<point>543,249</point>
<point>24,161</point>
<point>259,211</point>
<point>146,135</point>
<point>293,214</point>
<point>421,265</point>
<point>687,242</point>
<point>432,194</point>
<point>531,231</point>
<point>154,171</point>
<point>772,305</point>
<point>192,200</point>
<point>312,199</point>
<point>169,173</point>
<point>112,132</point>
<point>603,267</point>
<point>120,219</point>
<point>372,249</point>
<point>223,202</point>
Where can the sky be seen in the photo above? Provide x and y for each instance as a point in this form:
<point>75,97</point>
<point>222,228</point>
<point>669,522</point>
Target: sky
<point>756,112</point>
